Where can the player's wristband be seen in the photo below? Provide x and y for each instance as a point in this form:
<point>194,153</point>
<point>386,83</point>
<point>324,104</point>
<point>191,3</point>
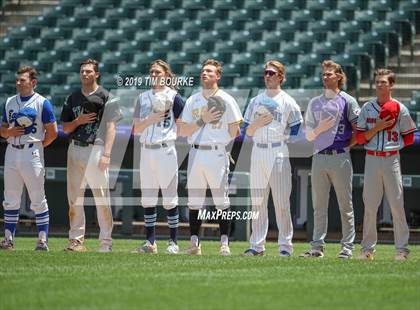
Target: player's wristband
<point>200,122</point>
<point>106,155</point>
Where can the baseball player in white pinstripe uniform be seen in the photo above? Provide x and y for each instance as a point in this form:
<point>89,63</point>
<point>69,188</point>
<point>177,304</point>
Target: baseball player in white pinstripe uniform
<point>271,117</point>
<point>384,127</point>
<point>209,131</point>
<point>29,125</point>
<point>157,111</point>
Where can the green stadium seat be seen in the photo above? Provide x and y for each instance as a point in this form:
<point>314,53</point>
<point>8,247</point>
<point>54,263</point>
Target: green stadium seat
<point>224,58</point>
<point>339,39</point>
<point>70,3</point>
<point>117,35</point>
<point>149,14</point>
<point>106,4</point>
<point>87,34</point>
<point>181,58</point>
<point>56,33</point>
<point>249,82</point>
<point>337,16</point>
<point>165,26</point>
<point>179,15</point>
<point>145,58</point>
<point>243,15</point>
<point>321,27</point>
<point>351,65</point>
<point>196,47</point>
<point>285,59</point>
<point>294,48</point>
<point>313,82</point>
<point>37,45</point>
<point>24,32</point>
<point>60,92</point>
<point>17,55</point>
<point>132,69</point>
<point>136,26</point>
<point>7,89</point>
<point>379,47</point>
<point>304,17</point>
<point>66,67</point>
<point>49,78</point>
<point>257,5</point>
<point>111,60</point>
<point>73,80</point>
<point>229,46</point>
<point>232,70</point>
<point>89,11</point>
<point>317,8</point>
<point>213,36</point>
<point>165,4</point>
<point>59,11</point>
<point>198,25</point>
<point>289,28</point>
<point>312,61</point>
<point>43,89</point>
<point>69,45</point>
<point>227,5</point>
<point>257,69</point>
<point>295,73</point>
<point>196,4</point>
<point>327,48</point>
<point>242,36</point>
<point>258,26</point>
<point>9,79</point>
<point>277,36</point>
<point>119,13</point>
<point>42,21</point>
<point>165,46</point>
<point>8,43</point>
<point>103,23</point>
<point>367,18</point>
<point>135,4</point>
<point>255,47</point>
<point>228,25</point>
<point>272,15</point>
<point>78,57</point>
<point>383,5</point>
<point>72,22</point>
<point>212,15</point>
<point>246,58</point>
<point>102,45</point>
<point>353,27</point>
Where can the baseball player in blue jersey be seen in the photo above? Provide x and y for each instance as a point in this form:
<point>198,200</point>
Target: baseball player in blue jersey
<point>156,113</point>
<point>209,131</point>
<point>271,117</point>
<point>28,125</point>
<point>330,123</point>
<point>384,127</point>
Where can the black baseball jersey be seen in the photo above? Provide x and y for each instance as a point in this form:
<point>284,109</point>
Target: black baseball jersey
<point>100,102</point>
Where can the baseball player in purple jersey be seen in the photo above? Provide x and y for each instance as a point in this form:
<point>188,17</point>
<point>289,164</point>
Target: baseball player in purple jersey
<point>330,123</point>
<point>383,137</point>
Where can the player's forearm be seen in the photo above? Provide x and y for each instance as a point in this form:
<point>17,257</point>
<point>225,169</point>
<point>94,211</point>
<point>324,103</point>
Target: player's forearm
<point>69,127</point>
<point>109,138</point>
<point>140,125</point>
<point>371,133</point>
<point>311,135</point>
<point>250,130</point>
<point>187,130</point>
<point>4,132</point>
<point>51,133</point>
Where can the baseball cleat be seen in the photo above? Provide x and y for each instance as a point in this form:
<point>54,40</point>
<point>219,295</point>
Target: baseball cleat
<point>146,248</point>
<point>224,250</point>
<point>7,245</point>
<point>75,246</point>
<point>193,250</point>
<point>172,248</point>
<point>42,245</point>
<point>312,253</point>
<point>105,248</point>
<point>365,255</point>
<point>401,256</point>
<point>252,252</point>
<point>284,253</point>
<point>344,254</point>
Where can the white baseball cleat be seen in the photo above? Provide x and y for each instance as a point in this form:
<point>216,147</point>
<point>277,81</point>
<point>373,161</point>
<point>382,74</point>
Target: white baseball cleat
<point>42,245</point>
<point>401,256</point>
<point>7,245</point>
<point>172,248</point>
<point>224,250</point>
<point>344,254</point>
<point>75,246</point>
<point>105,248</point>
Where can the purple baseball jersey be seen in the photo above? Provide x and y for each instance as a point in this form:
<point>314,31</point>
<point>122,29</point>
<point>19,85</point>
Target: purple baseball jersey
<point>344,108</point>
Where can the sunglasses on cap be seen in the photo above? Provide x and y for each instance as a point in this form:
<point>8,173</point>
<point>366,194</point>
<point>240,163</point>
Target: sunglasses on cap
<point>270,73</point>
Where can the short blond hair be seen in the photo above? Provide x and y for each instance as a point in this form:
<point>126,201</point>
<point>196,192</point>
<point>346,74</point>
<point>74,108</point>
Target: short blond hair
<point>329,64</point>
<point>279,66</point>
<point>213,62</point>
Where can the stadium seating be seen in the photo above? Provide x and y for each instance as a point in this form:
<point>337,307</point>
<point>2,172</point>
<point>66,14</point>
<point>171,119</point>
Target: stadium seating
<point>126,35</point>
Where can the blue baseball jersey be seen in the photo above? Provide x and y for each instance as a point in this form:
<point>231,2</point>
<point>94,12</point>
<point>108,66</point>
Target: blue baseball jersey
<point>166,130</point>
<point>30,112</point>
<point>344,108</point>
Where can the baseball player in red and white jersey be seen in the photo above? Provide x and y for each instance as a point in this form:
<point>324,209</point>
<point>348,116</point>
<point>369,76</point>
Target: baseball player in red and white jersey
<point>209,131</point>
<point>272,117</point>
<point>383,137</point>
<point>157,111</point>
<point>29,125</point>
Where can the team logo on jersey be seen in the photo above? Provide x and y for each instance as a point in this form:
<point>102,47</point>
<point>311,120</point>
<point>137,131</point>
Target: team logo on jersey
<point>24,118</point>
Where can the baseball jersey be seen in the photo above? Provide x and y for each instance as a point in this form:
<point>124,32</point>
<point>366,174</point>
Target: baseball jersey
<point>345,108</point>
<point>163,131</point>
<point>211,133</point>
<point>286,114</point>
<point>35,109</point>
<point>108,110</point>
<point>389,139</point>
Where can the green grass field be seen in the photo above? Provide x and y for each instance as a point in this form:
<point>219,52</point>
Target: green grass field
<point>121,280</point>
